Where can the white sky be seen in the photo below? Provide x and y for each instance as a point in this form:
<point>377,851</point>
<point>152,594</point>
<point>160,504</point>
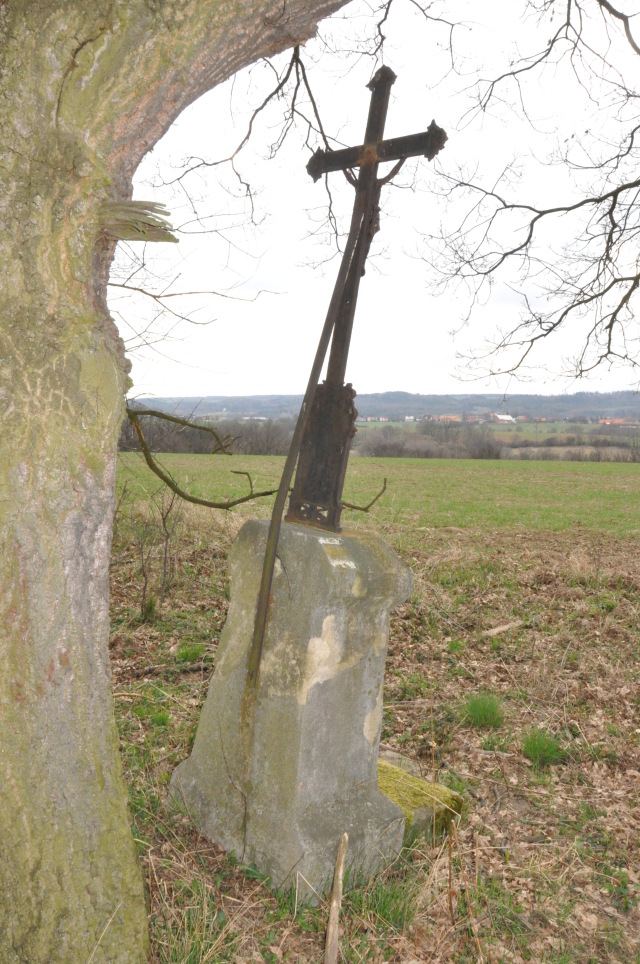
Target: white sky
<point>405,337</point>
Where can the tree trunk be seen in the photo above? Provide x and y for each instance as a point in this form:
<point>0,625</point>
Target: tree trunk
<point>88,87</point>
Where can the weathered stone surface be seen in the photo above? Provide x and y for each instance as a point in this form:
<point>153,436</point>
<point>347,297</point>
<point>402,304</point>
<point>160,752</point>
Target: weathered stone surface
<point>407,763</point>
<point>280,778</point>
<point>421,801</point>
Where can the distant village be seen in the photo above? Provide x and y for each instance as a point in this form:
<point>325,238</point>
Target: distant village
<point>497,418</point>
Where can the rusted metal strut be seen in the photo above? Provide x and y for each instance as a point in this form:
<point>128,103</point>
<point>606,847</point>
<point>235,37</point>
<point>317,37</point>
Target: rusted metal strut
<point>326,423</point>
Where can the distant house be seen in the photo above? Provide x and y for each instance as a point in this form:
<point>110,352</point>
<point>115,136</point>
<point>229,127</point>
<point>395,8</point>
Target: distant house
<point>618,421</point>
<point>502,419</point>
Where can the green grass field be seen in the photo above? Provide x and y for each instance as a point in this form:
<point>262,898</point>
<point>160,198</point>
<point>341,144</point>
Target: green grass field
<point>430,493</point>
<point>512,676</point>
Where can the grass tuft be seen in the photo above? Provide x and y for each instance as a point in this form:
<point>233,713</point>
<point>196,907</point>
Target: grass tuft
<point>541,747</point>
<point>483,711</point>
<point>190,652</point>
<point>389,900</point>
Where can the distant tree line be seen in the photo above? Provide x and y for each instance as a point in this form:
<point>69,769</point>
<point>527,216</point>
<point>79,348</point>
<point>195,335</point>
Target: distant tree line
<point>251,436</point>
<point>430,440</point>
<point>464,440</point>
<point>424,439</point>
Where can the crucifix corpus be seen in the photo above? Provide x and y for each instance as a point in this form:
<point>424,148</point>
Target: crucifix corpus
<point>326,423</point>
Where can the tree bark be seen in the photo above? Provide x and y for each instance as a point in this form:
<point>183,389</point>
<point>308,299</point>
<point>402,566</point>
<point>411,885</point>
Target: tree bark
<point>88,87</point>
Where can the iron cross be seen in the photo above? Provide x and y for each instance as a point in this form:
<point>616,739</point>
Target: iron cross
<point>326,424</point>
<point>324,451</point>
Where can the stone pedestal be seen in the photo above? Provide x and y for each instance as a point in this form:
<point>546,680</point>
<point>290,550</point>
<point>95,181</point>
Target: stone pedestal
<point>277,778</point>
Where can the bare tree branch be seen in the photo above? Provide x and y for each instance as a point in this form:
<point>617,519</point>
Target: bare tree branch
<point>173,485</point>
<point>223,445</point>
<point>365,508</point>
<point>575,262</point>
<point>625,20</point>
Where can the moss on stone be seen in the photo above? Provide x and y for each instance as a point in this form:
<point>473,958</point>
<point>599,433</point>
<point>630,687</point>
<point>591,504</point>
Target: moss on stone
<point>419,799</point>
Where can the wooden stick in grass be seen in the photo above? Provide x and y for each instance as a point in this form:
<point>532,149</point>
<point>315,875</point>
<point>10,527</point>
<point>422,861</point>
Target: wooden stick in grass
<point>450,891</point>
<point>467,890</point>
<point>331,943</point>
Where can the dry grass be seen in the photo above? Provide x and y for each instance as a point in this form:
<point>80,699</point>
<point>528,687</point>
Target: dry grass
<point>544,865</point>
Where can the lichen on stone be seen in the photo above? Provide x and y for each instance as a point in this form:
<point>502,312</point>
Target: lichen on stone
<point>420,800</point>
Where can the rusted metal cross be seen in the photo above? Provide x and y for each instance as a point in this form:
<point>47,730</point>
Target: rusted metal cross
<point>326,424</point>
<point>324,451</point>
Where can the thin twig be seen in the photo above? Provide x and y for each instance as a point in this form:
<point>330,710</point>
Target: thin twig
<point>365,508</point>
<point>332,943</point>
<point>465,884</point>
<point>450,889</point>
<point>240,472</point>
<point>104,931</point>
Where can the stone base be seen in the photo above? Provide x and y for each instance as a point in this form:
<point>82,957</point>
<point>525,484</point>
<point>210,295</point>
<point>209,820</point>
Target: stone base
<point>278,778</point>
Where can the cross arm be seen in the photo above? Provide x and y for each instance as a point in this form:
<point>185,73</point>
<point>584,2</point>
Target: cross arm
<point>428,144</point>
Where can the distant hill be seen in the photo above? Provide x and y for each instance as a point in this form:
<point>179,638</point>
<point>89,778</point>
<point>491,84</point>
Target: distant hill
<point>397,405</point>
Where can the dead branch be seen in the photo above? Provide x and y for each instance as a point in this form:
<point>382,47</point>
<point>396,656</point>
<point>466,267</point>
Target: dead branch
<point>239,472</point>
<point>332,940</point>
<point>224,445</point>
<point>172,484</point>
<point>365,508</point>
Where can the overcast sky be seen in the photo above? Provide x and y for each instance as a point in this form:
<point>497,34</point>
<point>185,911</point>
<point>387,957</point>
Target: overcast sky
<point>282,269</point>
